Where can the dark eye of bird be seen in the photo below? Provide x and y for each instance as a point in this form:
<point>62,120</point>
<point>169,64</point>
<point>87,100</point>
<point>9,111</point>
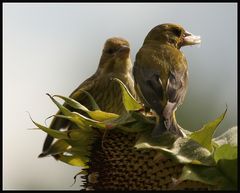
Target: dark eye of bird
<point>177,32</point>
<point>111,50</point>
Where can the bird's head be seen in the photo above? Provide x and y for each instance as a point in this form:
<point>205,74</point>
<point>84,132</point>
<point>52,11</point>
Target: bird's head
<point>172,34</point>
<point>115,56</point>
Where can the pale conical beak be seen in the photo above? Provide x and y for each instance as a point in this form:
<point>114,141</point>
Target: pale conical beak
<point>124,49</point>
<point>190,39</point>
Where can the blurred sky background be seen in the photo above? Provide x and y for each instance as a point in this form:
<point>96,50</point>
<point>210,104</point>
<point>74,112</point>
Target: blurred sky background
<point>53,47</point>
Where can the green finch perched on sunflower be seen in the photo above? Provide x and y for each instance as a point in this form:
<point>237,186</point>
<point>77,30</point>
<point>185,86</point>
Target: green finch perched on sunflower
<point>115,62</point>
<point>161,74</point>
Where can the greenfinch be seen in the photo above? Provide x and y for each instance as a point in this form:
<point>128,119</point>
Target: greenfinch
<point>161,74</point>
<point>115,62</point>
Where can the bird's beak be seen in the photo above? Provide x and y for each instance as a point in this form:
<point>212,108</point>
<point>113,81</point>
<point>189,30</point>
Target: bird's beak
<point>190,39</point>
<point>124,49</point>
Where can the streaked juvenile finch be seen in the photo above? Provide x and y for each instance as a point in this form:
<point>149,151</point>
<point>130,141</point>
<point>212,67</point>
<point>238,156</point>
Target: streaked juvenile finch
<point>161,74</point>
<point>115,62</point>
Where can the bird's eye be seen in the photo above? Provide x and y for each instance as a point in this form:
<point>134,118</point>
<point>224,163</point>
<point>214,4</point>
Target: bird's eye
<point>177,32</point>
<point>110,50</point>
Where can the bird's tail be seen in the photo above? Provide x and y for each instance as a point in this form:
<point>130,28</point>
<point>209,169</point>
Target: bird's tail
<point>163,125</point>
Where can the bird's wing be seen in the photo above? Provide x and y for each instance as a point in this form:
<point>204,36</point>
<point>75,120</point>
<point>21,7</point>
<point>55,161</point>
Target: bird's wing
<point>87,85</point>
<point>149,87</point>
<point>176,86</point>
<point>175,90</point>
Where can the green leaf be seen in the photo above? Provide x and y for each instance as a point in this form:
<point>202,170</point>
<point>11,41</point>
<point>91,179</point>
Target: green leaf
<point>80,147</point>
<point>128,100</point>
<point>83,141</point>
<point>79,122</point>
<point>137,123</point>
<point>165,140</point>
<point>205,134</point>
<point>229,137</point>
<point>226,158</point>
<point>51,132</point>
<point>81,152</point>
<point>135,127</point>
<point>72,160</point>
<point>207,175</point>
<point>92,101</point>
<point>224,174</point>
<point>204,174</point>
<point>124,118</point>
<point>83,122</point>
<point>87,121</point>
<point>229,169</point>
<point>73,103</point>
<point>59,146</point>
<point>188,151</point>
<point>74,134</point>
<point>63,109</point>
<point>225,151</point>
<point>101,115</point>
<point>183,150</point>
<point>97,115</point>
